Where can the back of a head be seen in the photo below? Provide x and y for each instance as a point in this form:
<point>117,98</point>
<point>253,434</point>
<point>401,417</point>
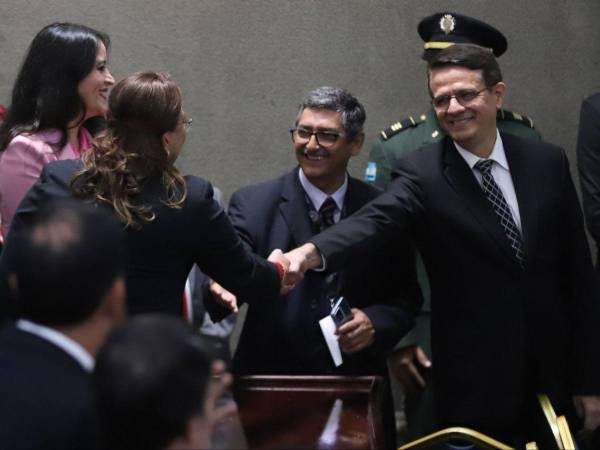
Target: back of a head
<point>64,260</point>
<point>142,107</point>
<point>472,57</point>
<point>45,93</point>
<point>151,377</point>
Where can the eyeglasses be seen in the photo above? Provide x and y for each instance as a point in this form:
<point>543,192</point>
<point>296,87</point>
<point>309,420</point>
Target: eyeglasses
<point>463,97</point>
<point>324,138</point>
<point>187,123</point>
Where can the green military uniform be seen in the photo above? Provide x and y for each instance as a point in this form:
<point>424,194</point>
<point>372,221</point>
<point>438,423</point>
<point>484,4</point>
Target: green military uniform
<point>395,142</point>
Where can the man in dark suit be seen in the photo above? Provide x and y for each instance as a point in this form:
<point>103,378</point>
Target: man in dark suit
<point>497,221</point>
<point>284,337</point>
<point>65,274</point>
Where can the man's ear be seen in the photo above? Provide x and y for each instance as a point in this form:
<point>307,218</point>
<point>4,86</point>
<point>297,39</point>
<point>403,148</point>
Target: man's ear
<point>499,91</point>
<point>357,143</point>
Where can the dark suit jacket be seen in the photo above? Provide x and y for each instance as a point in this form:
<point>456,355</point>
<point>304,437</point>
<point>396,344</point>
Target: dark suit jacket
<point>498,333</point>
<point>162,252</point>
<point>46,395</point>
<point>283,336</point>
<point>588,161</point>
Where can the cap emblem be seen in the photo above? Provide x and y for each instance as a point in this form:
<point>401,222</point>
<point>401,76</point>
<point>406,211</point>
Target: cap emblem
<point>447,23</point>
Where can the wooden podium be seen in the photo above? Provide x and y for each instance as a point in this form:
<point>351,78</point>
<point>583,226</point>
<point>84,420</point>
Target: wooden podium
<point>316,412</point>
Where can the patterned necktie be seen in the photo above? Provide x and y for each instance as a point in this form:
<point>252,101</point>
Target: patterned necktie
<point>327,211</point>
<point>494,195</point>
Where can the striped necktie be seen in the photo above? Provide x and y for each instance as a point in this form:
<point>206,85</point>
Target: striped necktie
<point>326,212</point>
<point>494,195</point>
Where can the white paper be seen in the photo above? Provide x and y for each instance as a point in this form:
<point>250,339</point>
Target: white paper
<point>328,328</point>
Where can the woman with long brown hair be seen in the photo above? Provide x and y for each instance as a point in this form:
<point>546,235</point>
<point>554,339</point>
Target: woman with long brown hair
<point>170,221</point>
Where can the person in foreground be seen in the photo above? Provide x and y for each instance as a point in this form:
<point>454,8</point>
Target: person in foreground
<point>157,387</point>
<point>58,99</point>
<point>520,304</point>
<point>170,221</point>
<point>65,271</point>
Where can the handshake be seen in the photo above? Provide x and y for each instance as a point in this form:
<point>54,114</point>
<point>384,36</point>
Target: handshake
<point>292,267</point>
<point>294,264</point>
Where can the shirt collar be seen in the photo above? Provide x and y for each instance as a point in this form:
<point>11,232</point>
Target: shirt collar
<point>498,155</point>
<point>62,341</point>
<point>317,196</point>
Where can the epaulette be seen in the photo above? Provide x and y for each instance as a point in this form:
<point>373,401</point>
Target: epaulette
<point>405,124</point>
<point>504,114</point>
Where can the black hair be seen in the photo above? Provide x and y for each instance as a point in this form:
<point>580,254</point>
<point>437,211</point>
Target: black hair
<point>472,57</point>
<point>65,258</point>
<point>151,377</point>
<point>45,94</point>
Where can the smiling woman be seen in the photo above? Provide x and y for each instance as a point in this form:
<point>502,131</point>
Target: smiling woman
<point>60,91</point>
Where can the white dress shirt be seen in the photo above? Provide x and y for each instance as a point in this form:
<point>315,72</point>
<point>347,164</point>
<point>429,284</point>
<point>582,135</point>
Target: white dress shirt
<point>65,343</point>
<point>500,172</point>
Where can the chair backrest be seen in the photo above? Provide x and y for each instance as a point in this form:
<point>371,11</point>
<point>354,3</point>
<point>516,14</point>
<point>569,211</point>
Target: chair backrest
<point>565,433</point>
<point>551,418</point>
<point>453,433</point>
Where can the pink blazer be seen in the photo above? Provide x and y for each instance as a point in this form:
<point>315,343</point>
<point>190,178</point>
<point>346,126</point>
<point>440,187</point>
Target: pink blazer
<point>22,162</point>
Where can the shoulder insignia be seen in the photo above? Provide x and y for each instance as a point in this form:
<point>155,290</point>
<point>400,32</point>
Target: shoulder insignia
<point>504,114</point>
<point>405,124</point>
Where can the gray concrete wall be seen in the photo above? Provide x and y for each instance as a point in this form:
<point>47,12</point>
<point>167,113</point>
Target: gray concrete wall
<point>245,65</point>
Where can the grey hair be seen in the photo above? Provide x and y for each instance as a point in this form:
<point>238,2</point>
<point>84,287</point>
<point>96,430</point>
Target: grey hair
<point>340,100</point>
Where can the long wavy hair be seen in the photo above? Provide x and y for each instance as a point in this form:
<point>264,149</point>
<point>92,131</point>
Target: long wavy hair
<point>141,108</point>
<point>45,94</point>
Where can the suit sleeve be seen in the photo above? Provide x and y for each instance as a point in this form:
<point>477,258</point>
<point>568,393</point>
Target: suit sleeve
<point>588,160</point>
<point>223,256</point>
<point>380,221</point>
<point>580,289</point>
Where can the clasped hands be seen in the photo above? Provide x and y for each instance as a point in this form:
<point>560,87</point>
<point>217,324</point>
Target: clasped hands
<point>295,263</point>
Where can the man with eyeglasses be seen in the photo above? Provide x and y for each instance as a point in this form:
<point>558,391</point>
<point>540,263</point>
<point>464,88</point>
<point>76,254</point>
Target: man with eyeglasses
<point>412,360</point>
<point>515,304</point>
<point>285,337</point>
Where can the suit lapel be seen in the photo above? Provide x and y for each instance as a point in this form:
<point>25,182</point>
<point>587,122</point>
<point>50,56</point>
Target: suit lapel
<point>294,209</point>
<point>461,178</point>
<point>516,156</point>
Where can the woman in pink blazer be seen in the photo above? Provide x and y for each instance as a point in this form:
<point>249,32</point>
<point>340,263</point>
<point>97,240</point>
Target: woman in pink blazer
<point>60,93</point>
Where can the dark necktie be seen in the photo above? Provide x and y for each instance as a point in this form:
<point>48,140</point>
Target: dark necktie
<point>494,195</point>
<point>327,211</point>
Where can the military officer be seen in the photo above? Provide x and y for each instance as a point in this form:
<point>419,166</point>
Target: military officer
<point>412,358</point>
